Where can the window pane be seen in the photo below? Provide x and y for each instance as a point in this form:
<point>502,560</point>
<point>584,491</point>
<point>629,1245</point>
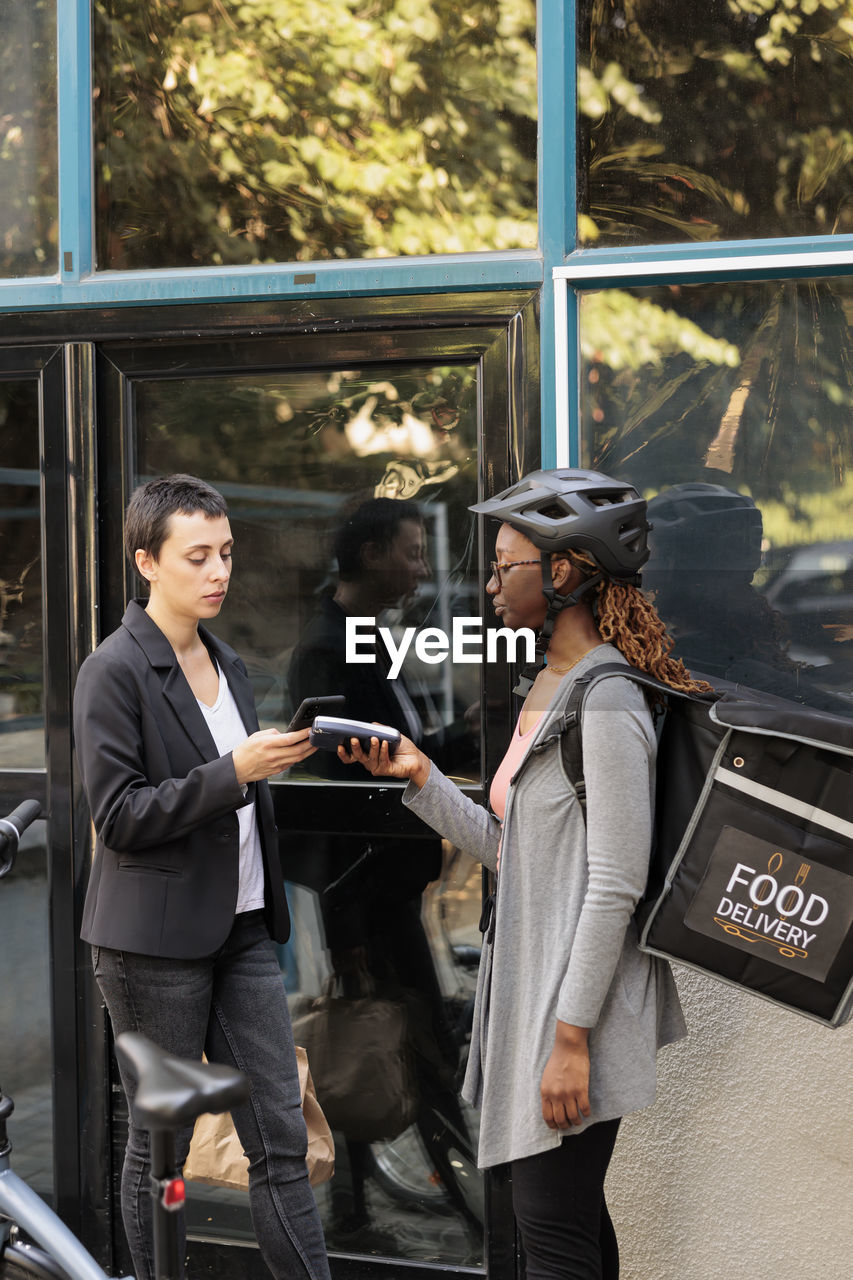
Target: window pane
<point>26,1066</point>
<point>21,660</point>
<point>729,405</point>
<point>734,124</point>
<point>313,465</point>
<point>417,1196</point>
<point>283,131</point>
<point>348,493</point>
<point>28,165</point>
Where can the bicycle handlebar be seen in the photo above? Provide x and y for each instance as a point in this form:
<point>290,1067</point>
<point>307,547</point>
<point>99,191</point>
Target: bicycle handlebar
<point>12,827</point>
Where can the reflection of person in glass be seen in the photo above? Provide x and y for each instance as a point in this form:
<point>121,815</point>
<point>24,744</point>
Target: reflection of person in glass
<point>569,1011</point>
<point>187,890</point>
<point>382,558</point>
<point>370,892</point>
<point>705,547</point>
<point>381,555</point>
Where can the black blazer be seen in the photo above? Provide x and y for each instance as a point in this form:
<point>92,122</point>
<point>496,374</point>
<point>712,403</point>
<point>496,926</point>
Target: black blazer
<point>165,873</point>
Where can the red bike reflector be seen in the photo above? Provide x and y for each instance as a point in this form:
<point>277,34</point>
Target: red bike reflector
<point>174,1193</point>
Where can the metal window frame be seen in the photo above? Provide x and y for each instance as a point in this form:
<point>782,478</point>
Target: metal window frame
<point>555,266</point>
<point>103,354</point>
<point>78,283</point>
<point>569,271</point>
<point>63,376</point>
<point>780,260</point>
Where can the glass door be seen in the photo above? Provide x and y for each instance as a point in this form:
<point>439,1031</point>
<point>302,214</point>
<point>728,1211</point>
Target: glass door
<point>348,467</point>
<point>25,945</point>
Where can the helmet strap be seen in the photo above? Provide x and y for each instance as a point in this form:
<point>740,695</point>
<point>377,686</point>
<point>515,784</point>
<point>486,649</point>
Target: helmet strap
<point>556,604</point>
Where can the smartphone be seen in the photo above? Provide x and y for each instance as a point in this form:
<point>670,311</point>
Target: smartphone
<point>310,708</point>
<point>328,732</point>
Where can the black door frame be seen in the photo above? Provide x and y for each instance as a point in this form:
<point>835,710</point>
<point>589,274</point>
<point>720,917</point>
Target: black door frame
<point>64,374</point>
<point>89,361</point>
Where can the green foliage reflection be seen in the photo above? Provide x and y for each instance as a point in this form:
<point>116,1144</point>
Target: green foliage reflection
<point>745,384</point>
<point>292,130</point>
<point>729,119</point>
<point>28,168</point>
<point>731,403</point>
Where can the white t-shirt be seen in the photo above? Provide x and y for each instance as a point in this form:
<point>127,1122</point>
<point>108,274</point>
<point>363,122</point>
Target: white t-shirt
<point>227,730</point>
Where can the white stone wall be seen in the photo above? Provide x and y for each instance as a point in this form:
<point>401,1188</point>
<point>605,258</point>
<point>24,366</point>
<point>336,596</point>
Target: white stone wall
<point>744,1166</point>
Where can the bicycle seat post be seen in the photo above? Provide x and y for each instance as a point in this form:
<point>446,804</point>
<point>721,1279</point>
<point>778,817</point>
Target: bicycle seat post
<point>167,1195</point>
<point>171,1092</point>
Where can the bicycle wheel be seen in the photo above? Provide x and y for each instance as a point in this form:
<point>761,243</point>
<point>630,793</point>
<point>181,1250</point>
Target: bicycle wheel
<point>21,1261</point>
<point>430,1164</point>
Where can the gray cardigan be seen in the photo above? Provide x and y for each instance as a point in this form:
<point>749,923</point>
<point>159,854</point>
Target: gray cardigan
<point>565,941</point>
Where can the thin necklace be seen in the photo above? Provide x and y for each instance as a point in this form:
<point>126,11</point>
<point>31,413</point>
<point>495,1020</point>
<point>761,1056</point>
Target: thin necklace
<point>561,671</point>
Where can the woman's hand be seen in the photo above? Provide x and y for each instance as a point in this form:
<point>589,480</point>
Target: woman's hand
<point>565,1080</point>
<point>407,762</point>
<point>267,752</point>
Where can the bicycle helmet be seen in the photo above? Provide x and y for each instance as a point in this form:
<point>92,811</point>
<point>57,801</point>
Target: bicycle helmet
<point>702,526</point>
<point>585,510</point>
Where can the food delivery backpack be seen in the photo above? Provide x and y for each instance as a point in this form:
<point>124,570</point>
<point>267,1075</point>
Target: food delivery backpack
<point>751,874</point>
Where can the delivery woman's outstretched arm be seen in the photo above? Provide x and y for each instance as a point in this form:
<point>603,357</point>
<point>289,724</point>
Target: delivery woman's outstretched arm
<point>432,797</point>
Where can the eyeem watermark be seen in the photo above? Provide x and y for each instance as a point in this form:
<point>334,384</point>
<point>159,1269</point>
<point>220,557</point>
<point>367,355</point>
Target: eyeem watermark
<point>433,645</point>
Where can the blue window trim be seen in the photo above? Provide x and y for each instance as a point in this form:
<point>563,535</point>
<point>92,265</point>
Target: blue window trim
<point>287,280</point>
<point>78,284</point>
<point>716,253</point>
<point>559,269</point>
<point>556,63</point>
<point>725,260</point>
<point>75,142</point>
<point>583,272</point>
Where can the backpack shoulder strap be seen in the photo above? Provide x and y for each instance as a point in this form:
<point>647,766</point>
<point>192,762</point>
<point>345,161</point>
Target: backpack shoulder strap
<point>571,742</point>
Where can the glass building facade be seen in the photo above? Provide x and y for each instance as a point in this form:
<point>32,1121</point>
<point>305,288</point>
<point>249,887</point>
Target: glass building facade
<point>330,254</point>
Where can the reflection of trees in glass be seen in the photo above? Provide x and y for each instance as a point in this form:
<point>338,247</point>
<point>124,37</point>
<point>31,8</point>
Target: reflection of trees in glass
<point>734,124</point>
<point>774,422</point>
<point>349,434</point>
<point>324,430</point>
<point>753,403</point>
<point>291,450</point>
<point>776,419</point>
<point>291,130</point>
<point>726,119</point>
<point>28,169</point>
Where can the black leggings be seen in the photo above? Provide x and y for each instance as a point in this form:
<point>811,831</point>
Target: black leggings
<point>558,1198</point>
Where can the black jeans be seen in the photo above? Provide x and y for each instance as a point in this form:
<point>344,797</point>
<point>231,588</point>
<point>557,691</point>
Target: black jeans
<point>558,1198</point>
<point>232,1005</point>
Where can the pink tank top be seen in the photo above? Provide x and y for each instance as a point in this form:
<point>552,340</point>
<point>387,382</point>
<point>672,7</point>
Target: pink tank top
<point>514,755</point>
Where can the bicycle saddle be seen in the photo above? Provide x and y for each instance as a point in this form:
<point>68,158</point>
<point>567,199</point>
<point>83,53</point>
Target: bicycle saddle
<point>173,1091</point>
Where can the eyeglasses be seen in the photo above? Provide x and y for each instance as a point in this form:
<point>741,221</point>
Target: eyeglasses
<point>498,569</point>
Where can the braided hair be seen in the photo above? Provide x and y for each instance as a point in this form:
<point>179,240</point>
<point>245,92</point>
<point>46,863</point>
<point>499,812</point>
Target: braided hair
<point>627,619</point>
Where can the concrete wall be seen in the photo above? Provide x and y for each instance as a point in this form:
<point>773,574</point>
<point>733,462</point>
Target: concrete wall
<point>744,1165</point>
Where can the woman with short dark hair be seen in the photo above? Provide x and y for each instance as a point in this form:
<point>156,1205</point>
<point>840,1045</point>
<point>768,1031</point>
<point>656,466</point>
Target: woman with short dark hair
<point>186,893</point>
